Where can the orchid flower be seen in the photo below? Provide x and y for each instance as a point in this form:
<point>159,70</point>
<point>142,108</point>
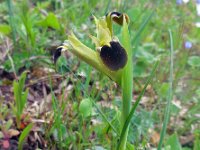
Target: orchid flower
<point>109,57</point>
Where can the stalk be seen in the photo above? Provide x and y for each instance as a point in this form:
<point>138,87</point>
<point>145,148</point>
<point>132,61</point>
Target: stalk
<point>169,95</point>
<point>126,83</point>
<point>136,103</point>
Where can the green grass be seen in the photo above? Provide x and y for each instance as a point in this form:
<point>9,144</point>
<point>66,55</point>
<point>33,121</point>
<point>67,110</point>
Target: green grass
<point>169,95</point>
<point>20,97</point>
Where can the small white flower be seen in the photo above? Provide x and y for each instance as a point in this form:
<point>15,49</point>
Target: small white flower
<point>186,1</point>
<point>198,8</point>
<point>197,24</point>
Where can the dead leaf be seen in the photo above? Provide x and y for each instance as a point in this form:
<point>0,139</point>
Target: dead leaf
<point>154,137</point>
<point>13,132</point>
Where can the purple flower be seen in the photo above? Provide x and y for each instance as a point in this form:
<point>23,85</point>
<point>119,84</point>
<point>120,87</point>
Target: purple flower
<point>188,45</point>
<point>198,1</point>
<point>179,2</point>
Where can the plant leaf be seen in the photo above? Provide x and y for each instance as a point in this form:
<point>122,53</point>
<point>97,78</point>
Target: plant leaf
<point>194,61</point>
<point>5,29</point>
<point>50,21</point>
<point>173,142</point>
<point>137,102</point>
<point>85,108</point>
<point>23,136</point>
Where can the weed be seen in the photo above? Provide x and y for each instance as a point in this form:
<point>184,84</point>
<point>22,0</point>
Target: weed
<point>20,97</point>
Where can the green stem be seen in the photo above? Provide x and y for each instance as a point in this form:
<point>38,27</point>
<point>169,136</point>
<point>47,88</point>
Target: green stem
<point>126,83</point>
<point>126,105</point>
<point>136,103</point>
<point>170,94</point>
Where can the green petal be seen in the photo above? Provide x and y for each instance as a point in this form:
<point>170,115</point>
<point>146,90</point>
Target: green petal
<point>103,32</point>
<point>95,40</point>
<point>83,52</point>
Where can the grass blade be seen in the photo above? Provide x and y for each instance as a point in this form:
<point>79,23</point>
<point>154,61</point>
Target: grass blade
<point>136,103</point>
<point>169,96</point>
<point>23,135</point>
<point>95,105</point>
<point>105,118</point>
<point>12,22</point>
<point>143,25</point>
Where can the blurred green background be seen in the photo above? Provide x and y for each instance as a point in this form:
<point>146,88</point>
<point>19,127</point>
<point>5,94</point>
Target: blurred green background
<point>30,32</point>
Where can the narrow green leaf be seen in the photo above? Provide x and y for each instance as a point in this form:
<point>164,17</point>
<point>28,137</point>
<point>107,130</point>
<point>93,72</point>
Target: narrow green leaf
<point>23,136</point>
<point>105,118</point>
<point>136,103</point>
<point>8,124</point>
<point>173,142</point>
<point>16,95</point>
<point>145,22</point>
<point>20,96</point>
<point>12,20</point>
<point>169,95</point>
<point>21,84</point>
<point>22,81</point>
<point>24,100</point>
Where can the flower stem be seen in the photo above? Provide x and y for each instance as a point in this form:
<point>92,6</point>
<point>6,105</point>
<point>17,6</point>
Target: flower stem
<point>126,83</point>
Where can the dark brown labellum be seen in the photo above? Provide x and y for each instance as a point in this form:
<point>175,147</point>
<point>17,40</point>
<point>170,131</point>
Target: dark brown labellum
<point>57,54</point>
<point>114,57</point>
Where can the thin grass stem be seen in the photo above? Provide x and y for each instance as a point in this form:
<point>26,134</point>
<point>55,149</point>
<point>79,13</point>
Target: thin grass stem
<point>98,109</point>
<point>12,23</point>
<point>169,95</point>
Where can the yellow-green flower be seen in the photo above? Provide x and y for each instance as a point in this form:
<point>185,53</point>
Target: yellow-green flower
<point>109,56</point>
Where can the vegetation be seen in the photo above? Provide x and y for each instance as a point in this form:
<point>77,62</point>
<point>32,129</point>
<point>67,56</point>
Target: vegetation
<point>64,86</point>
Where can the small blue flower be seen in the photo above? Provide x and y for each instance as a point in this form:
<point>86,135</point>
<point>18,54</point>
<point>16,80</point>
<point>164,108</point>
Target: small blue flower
<point>179,2</point>
<point>198,1</point>
<point>188,45</point>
